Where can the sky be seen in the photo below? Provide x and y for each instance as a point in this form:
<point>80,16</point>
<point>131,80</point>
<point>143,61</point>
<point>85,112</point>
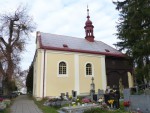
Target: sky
<point>66,17</point>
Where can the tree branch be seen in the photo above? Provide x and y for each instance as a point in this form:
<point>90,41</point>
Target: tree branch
<point>3,41</point>
<point>3,50</point>
<point>2,70</point>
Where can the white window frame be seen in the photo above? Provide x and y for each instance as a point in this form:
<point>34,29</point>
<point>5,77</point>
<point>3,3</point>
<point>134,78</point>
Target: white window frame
<point>92,69</point>
<point>62,75</point>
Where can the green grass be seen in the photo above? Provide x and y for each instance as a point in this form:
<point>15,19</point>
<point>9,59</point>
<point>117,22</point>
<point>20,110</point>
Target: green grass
<point>7,110</point>
<point>45,109</point>
<point>99,110</point>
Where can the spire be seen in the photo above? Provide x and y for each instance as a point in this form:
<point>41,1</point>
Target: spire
<point>88,12</point>
<point>89,28</point>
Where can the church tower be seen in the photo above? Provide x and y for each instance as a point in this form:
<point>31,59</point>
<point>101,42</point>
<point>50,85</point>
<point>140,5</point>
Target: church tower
<point>89,28</point>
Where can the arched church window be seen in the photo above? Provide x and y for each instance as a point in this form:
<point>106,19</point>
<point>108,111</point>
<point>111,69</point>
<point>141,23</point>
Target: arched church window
<point>88,69</point>
<point>62,68</point>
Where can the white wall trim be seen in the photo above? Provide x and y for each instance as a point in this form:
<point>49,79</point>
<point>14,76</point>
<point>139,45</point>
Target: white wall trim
<point>70,53</point>
<point>41,79</point>
<point>77,83</point>
<point>103,67</point>
<point>45,76</point>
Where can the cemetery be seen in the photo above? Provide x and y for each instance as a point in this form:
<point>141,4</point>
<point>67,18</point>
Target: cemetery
<point>105,100</point>
<point>133,101</point>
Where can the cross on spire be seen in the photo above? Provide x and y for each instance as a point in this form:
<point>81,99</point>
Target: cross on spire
<point>88,12</point>
<point>89,28</point>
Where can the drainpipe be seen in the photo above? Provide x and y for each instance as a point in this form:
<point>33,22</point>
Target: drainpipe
<point>44,73</point>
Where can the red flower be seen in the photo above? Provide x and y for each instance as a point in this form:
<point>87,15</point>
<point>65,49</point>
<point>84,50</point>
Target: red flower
<point>126,103</point>
<point>86,100</point>
<point>1,99</point>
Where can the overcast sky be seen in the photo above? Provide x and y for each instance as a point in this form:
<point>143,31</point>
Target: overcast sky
<point>67,17</point>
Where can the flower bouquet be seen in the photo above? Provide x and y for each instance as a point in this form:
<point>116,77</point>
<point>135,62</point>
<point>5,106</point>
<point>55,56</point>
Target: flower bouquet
<point>126,104</point>
<point>85,101</point>
<point>111,102</point>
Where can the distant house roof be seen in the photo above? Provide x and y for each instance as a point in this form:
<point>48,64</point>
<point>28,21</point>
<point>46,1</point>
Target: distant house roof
<point>72,44</point>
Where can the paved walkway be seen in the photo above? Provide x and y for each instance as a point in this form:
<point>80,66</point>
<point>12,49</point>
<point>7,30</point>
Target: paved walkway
<point>23,104</point>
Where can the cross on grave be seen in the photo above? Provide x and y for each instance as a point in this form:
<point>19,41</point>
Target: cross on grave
<point>92,91</point>
<point>92,79</point>
<point>92,85</point>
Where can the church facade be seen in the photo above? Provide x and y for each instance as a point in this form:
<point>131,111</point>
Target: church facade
<point>63,63</point>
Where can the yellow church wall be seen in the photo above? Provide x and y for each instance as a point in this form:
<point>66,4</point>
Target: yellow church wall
<point>75,79</point>
<point>85,80</point>
<point>55,83</point>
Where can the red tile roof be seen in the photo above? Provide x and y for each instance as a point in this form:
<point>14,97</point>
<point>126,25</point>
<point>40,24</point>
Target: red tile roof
<point>72,44</point>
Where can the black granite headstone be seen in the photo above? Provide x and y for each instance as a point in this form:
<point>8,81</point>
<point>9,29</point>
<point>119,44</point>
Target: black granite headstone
<point>95,97</point>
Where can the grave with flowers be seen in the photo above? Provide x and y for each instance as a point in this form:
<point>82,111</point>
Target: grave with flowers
<point>81,103</point>
<point>112,98</point>
<point>4,103</point>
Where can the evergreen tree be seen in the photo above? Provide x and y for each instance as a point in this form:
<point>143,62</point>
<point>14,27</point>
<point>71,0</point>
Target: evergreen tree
<point>29,79</point>
<point>134,34</point>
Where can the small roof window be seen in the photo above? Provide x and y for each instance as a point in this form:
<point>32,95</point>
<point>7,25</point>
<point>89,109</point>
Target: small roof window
<point>65,45</point>
<point>107,50</point>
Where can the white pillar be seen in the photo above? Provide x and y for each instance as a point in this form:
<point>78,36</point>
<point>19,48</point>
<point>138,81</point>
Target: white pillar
<point>130,80</point>
<point>41,78</point>
<point>76,66</point>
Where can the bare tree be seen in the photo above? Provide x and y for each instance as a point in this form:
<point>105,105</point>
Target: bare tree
<point>20,79</point>
<point>14,29</point>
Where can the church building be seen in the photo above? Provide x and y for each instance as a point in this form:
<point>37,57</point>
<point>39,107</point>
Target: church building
<point>64,63</point>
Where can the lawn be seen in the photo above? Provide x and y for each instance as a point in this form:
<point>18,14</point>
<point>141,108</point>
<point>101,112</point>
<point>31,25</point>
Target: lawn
<point>7,110</point>
<point>45,109</point>
<point>98,110</point>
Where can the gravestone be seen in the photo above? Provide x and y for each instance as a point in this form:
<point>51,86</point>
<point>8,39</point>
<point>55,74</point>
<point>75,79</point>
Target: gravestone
<point>133,90</point>
<point>126,94</point>
<point>116,98</point>
<point>67,95</point>
<point>113,95</point>
<point>100,94</point>
<point>74,95</point>
<point>106,98</point>
<point>62,95</point>
<point>95,97</point>
<point>147,91</point>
